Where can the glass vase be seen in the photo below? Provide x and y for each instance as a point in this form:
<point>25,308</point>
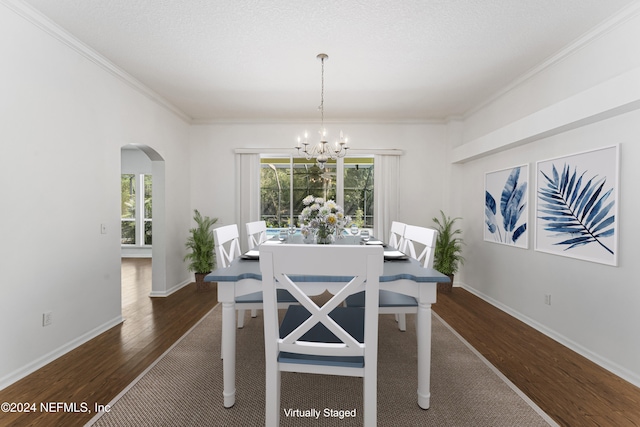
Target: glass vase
<point>323,239</point>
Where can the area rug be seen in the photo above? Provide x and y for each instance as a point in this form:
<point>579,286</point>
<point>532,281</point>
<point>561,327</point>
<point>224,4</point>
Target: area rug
<point>184,386</point>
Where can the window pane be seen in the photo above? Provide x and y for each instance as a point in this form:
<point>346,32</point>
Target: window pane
<point>274,191</point>
<point>147,232</point>
<point>128,196</point>
<point>128,209</point>
<point>147,196</point>
<point>309,179</point>
<point>128,236</point>
<point>358,190</point>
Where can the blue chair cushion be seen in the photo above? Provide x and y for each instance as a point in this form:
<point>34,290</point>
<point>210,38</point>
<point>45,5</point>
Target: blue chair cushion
<point>351,319</point>
<point>386,299</point>
<point>256,297</point>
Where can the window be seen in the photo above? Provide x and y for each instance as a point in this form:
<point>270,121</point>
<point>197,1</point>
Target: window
<point>279,175</point>
<point>128,209</point>
<point>136,223</point>
<point>147,209</point>
<point>358,190</point>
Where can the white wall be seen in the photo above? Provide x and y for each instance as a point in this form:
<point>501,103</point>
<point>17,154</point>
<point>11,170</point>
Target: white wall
<point>213,186</point>
<point>64,120</point>
<point>594,307</point>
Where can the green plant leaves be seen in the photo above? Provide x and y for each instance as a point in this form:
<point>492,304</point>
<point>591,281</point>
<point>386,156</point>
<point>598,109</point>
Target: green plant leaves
<point>201,244</point>
<point>448,250</point>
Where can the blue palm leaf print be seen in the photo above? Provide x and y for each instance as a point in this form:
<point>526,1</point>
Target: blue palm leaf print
<point>576,208</point>
<point>490,214</point>
<point>512,201</point>
<point>512,205</point>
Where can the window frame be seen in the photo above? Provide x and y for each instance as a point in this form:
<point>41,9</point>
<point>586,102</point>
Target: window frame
<point>279,159</point>
<point>140,219</point>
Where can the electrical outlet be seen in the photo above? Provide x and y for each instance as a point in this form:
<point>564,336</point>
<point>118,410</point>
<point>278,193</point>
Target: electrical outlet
<point>47,318</point>
<point>547,299</point>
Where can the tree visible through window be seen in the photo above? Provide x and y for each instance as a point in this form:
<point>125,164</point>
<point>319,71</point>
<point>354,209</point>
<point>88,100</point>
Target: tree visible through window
<point>128,208</point>
<point>279,203</point>
<point>358,190</point>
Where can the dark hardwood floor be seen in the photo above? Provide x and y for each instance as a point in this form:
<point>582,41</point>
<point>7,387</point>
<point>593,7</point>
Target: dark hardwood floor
<point>98,370</point>
<point>568,387</point>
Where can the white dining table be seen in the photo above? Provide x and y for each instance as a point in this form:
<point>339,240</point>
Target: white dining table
<point>405,276</point>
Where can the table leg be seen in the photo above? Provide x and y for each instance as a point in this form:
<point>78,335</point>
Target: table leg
<point>423,332</point>
<point>229,353</point>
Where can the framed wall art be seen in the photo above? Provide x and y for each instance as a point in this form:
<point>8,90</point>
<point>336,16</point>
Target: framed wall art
<point>577,205</point>
<point>506,206</point>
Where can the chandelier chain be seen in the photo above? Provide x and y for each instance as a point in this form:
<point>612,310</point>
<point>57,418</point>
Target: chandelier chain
<point>322,95</point>
<point>322,151</point>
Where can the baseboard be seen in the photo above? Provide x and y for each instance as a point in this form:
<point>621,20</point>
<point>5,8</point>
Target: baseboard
<point>30,368</point>
<point>603,362</point>
<point>156,294</point>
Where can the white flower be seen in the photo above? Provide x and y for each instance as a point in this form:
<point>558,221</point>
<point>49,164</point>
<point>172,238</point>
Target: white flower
<point>322,217</point>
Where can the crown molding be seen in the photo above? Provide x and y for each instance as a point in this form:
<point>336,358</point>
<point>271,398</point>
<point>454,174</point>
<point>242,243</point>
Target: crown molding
<point>289,151</point>
<point>266,121</point>
<point>45,24</point>
<point>625,14</point>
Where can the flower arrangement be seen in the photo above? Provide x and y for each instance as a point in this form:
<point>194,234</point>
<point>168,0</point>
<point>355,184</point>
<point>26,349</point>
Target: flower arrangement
<point>323,219</point>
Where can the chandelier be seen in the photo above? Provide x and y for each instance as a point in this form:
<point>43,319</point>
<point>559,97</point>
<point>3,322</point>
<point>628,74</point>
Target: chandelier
<point>322,151</point>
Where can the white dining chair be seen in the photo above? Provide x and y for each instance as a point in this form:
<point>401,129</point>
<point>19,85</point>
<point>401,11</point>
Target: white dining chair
<point>421,239</point>
<point>343,343</point>
<point>256,233</point>
<point>396,235</point>
<point>227,246</point>
<point>396,241</point>
<point>415,238</point>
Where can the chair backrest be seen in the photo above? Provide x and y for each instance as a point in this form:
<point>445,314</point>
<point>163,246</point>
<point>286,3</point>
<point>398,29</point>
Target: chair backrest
<point>226,244</point>
<point>423,237</point>
<point>282,266</point>
<point>256,233</point>
<point>396,235</point>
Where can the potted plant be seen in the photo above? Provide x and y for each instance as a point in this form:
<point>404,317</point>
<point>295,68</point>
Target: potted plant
<point>448,251</point>
<point>201,244</point>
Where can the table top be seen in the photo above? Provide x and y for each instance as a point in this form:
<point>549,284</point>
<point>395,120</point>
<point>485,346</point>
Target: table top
<point>397,269</point>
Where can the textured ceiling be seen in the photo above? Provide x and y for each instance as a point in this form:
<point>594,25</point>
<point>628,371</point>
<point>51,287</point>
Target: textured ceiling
<point>388,60</point>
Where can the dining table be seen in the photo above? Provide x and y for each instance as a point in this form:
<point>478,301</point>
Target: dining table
<point>401,274</point>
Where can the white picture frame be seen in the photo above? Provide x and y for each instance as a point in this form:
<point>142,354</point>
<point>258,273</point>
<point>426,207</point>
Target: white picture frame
<point>577,205</point>
<point>507,206</point>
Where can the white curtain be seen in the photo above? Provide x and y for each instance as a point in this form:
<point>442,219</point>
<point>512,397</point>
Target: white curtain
<point>247,193</point>
<point>385,196</point>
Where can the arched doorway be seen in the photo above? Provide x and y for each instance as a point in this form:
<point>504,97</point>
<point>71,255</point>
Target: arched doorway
<point>141,160</point>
